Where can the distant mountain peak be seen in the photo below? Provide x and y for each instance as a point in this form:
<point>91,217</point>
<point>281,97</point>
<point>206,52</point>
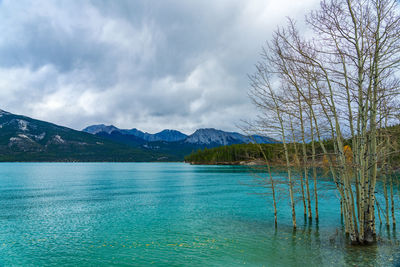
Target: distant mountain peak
<point>167,135</point>
<point>94,129</point>
<point>211,136</point>
<point>170,135</point>
<point>202,137</point>
<point>215,137</point>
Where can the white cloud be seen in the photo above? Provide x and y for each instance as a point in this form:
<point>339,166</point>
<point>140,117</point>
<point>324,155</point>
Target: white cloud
<point>150,65</point>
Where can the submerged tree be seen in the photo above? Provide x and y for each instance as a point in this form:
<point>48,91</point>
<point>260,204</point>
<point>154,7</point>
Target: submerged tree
<point>342,88</point>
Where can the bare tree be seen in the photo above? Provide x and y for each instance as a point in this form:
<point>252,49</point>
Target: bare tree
<point>344,79</point>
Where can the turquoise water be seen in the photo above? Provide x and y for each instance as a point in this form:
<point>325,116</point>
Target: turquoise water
<point>165,214</point>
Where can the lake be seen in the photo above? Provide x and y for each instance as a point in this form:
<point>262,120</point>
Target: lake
<point>166,214</point>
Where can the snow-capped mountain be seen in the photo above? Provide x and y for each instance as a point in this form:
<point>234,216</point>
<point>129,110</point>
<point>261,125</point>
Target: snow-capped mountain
<point>201,137</point>
<point>211,136</point>
<point>26,139</point>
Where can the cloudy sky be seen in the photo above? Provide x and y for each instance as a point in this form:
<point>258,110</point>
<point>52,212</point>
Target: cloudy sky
<point>151,64</point>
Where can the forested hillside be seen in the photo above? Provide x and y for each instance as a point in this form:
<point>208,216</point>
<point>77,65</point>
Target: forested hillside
<point>243,153</point>
<point>234,154</point>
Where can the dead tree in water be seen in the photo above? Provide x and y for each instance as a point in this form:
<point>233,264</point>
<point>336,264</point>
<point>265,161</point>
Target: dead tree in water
<point>298,166</point>
<point>345,76</point>
<point>273,102</point>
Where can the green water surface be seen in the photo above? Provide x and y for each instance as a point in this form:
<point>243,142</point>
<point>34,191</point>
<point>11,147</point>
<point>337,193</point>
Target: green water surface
<point>166,214</point>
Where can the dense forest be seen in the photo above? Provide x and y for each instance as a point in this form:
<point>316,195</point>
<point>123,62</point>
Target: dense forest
<point>234,154</point>
<point>274,153</point>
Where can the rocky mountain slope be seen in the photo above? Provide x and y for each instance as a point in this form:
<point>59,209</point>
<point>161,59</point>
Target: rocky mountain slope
<point>26,139</point>
<point>214,137</point>
<point>202,137</point>
<point>172,142</point>
<point>165,135</point>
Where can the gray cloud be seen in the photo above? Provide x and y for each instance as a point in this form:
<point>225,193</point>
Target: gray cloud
<point>144,64</point>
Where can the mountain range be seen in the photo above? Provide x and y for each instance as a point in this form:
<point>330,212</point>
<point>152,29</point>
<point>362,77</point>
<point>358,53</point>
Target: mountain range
<point>203,137</point>
<point>26,139</point>
<point>165,135</point>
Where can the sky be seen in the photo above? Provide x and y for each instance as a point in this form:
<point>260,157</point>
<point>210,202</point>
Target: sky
<point>151,65</point>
